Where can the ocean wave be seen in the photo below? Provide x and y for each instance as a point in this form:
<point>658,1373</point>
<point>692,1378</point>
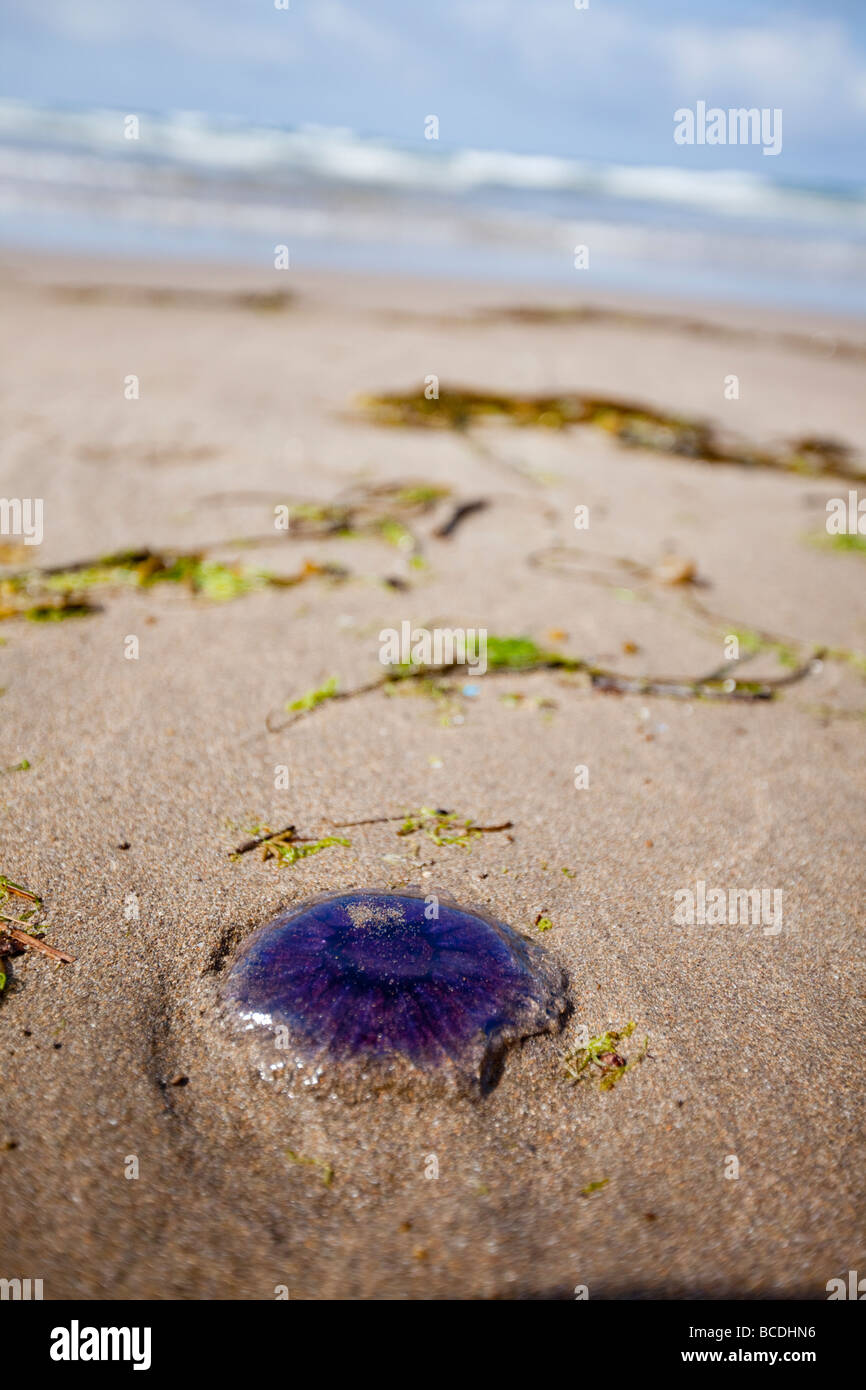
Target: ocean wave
<point>374,222</point>
<point>199,147</point>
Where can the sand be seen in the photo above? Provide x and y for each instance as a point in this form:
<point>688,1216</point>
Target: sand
<point>754,1039</point>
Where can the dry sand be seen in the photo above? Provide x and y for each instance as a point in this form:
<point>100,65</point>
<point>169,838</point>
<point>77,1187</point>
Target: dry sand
<point>755,1041</point>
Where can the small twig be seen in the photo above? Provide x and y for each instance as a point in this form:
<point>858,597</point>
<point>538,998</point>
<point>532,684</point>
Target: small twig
<point>262,839</point>
<point>18,891</point>
<point>490,456</point>
<point>287,834</point>
<point>25,938</point>
<point>407,815</point>
<point>458,516</point>
<point>337,695</point>
<point>371,820</point>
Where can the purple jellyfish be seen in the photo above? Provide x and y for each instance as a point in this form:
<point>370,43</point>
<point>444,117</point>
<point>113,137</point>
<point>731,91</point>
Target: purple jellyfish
<point>366,983</point>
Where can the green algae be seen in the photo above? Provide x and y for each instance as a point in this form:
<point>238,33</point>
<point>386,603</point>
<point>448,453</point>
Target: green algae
<point>57,593</point>
<point>382,512</point>
<point>9,889</point>
<point>421,495</point>
<point>313,698</point>
<point>286,846</point>
<point>52,595</point>
<point>395,533</point>
<point>503,654</point>
<point>600,1060</point>
<point>442,827</point>
<point>752,642</point>
<point>443,693</point>
<point>847,544</point>
<point>521,654</point>
<point>289,853</point>
<point>324,1169</point>
<point>847,657</point>
<point>58,612</point>
<point>215,581</point>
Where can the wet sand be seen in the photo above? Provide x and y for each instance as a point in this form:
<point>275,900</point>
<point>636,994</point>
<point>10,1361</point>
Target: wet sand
<point>144,774</point>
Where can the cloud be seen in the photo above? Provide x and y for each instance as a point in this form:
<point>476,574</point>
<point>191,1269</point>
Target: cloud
<point>522,74</point>
<point>340,24</point>
<point>244,31</point>
<point>632,66</point>
<point>811,68</point>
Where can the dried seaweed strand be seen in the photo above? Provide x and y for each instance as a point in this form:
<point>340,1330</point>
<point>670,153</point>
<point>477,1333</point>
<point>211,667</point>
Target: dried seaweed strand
<point>716,687</point>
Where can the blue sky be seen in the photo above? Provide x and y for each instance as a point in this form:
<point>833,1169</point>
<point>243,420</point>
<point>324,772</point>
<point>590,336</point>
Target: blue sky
<point>524,75</point>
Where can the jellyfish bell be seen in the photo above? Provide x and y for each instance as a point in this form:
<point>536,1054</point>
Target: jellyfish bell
<point>349,993</point>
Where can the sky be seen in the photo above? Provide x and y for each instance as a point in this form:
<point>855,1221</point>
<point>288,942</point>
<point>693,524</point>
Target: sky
<point>534,76</point>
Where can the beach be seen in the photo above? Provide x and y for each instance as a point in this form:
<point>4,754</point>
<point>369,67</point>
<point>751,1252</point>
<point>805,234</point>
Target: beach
<point>172,409</point>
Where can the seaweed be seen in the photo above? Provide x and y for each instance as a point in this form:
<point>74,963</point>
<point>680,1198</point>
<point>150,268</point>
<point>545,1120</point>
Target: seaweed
<point>313,698</point>
<point>796,656</point>
<point>523,654</point>
<point>600,1060</point>
<point>258,301</point>
<point>406,680</point>
<point>383,512</point>
<point>506,655</point>
<point>445,828</point>
<point>852,544</point>
<point>57,593</point>
<point>286,846</point>
<point>380,511</point>
<point>441,826</point>
<point>56,612</point>
<point>213,579</point>
<point>633,424</point>
<point>290,851</point>
<point>567,316</point>
<point>325,1169</point>
<point>752,643</point>
<point>847,657</point>
<point>21,932</point>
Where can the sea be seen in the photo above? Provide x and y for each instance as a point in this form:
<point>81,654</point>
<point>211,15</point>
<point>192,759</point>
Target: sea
<point>197,187</point>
